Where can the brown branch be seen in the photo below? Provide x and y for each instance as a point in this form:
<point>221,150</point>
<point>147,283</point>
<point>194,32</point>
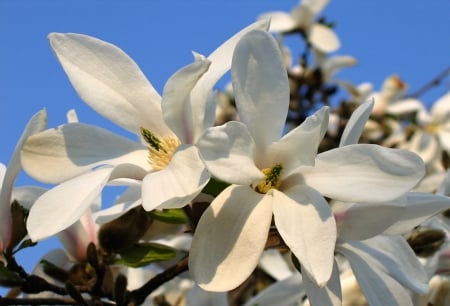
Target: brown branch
<point>138,296</point>
<point>44,301</point>
<point>434,82</point>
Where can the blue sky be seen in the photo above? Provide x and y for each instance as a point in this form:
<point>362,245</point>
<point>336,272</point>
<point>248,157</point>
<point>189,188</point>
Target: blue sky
<point>408,38</point>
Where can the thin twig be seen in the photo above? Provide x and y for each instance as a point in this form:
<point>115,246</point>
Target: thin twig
<point>434,82</point>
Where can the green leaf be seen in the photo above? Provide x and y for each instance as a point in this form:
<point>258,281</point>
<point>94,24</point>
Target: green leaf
<point>214,187</point>
<point>9,278</point>
<point>172,216</point>
<point>25,244</point>
<point>145,253</point>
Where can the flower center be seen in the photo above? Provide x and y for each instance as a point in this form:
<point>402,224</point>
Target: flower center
<point>432,128</point>
<point>272,179</point>
<point>160,150</point>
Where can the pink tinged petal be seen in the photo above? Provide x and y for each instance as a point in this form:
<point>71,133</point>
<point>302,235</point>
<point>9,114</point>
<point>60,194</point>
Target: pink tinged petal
<point>279,21</point>
<point>287,292</point>
<point>356,123</point>
<point>440,111</point>
<point>323,38</point>
<point>228,153</point>
<point>364,221</point>
<point>304,140</point>
<point>274,264</point>
<point>63,205</point>
<point>201,95</point>
<point>417,208</point>
<point>177,184</point>
<point>261,87</point>
<point>109,81</point>
<point>176,103</point>
<point>364,173</point>
<point>306,223</point>
<point>56,155</point>
<point>230,238</point>
<point>391,255</point>
<point>330,295</point>
<point>36,124</point>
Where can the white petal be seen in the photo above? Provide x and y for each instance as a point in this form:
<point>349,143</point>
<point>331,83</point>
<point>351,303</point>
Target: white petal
<point>363,221</point>
<point>306,224</point>
<point>27,195</point>
<point>356,123</point>
<point>279,21</point>
<point>274,264</point>
<point>405,106</point>
<point>228,152</point>
<point>417,208</point>
<point>364,173</point>
<point>330,295</point>
<point>63,205</point>
<point>37,123</point>
<point>304,140</point>
<point>260,86</point>
<point>109,81</point>
<point>287,292</point>
<point>203,107</point>
<point>323,38</point>
<point>441,108</point>
<point>315,6</point>
<point>334,64</point>
<point>425,145</point>
<point>230,238</point>
<point>176,104</point>
<point>178,183</point>
<point>386,255</point>
<point>59,154</point>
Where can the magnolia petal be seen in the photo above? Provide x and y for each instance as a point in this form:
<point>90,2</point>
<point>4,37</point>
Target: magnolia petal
<point>364,221</point>
<point>228,153</point>
<point>444,140</point>
<point>304,140</point>
<point>441,109</point>
<point>334,64</point>
<point>315,6</point>
<point>177,184</point>
<point>36,124</point>
<point>260,86</point>
<point>230,238</point>
<point>63,205</point>
<point>417,208</point>
<point>386,256</point>
<point>323,38</point>
<point>109,81</point>
<point>27,195</point>
<point>356,123</point>
<point>405,106</point>
<point>203,106</point>
<point>279,21</point>
<point>56,155</point>
<point>425,145</point>
<point>364,173</point>
<point>330,295</point>
<point>274,264</point>
<point>306,224</point>
<point>287,292</point>
<point>176,105</point>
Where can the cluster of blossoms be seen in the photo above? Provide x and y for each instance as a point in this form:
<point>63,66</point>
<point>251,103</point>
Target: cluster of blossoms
<point>262,194</point>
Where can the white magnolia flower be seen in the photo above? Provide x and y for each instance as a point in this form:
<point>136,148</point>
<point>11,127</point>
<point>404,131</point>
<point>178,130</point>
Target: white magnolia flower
<point>86,158</point>
<point>302,18</point>
<point>24,195</point>
<point>282,176</point>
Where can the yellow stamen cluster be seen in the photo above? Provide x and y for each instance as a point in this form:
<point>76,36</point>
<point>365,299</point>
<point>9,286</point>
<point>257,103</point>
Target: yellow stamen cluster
<point>272,179</point>
<point>432,128</point>
<point>160,150</point>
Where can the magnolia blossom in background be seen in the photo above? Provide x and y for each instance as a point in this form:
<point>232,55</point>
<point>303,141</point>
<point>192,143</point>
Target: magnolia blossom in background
<point>302,18</point>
